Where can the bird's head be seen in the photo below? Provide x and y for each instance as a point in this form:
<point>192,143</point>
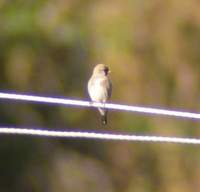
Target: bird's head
<point>101,69</point>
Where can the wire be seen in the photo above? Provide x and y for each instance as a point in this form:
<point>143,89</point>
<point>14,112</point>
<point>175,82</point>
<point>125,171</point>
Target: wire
<point>94,135</point>
<point>63,101</point>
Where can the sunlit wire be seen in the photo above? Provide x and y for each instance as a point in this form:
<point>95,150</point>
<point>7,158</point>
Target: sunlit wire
<point>64,101</point>
<point>96,135</point>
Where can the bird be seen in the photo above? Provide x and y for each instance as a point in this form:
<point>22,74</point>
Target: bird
<point>100,88</point>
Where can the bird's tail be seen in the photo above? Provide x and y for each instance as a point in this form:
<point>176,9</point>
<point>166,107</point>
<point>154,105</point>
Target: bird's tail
<point>103,113</point>
<point>104,119</point>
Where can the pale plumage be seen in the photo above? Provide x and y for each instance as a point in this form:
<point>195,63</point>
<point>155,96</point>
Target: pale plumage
<point>100,88</point>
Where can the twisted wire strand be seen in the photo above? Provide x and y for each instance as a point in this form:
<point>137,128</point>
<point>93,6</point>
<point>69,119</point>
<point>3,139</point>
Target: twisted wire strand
<point>64,101</point>
<point>96,135</point>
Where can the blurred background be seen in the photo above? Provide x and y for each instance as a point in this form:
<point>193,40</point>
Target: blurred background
<point>49,48</point>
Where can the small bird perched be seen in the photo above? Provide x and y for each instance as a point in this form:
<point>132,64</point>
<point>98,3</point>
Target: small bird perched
<point>100,88</point>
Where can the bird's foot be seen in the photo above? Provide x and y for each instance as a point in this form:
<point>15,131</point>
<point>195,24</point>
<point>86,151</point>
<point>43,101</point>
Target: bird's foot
<point>91,103</point>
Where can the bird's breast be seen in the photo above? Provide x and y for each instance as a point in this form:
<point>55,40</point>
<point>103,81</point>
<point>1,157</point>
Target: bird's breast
<point>97,91</point>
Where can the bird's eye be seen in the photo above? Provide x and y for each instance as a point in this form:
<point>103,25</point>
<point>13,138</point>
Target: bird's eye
<point>106,70</point>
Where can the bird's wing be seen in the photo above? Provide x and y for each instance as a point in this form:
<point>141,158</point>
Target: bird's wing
<point>108,86</point>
